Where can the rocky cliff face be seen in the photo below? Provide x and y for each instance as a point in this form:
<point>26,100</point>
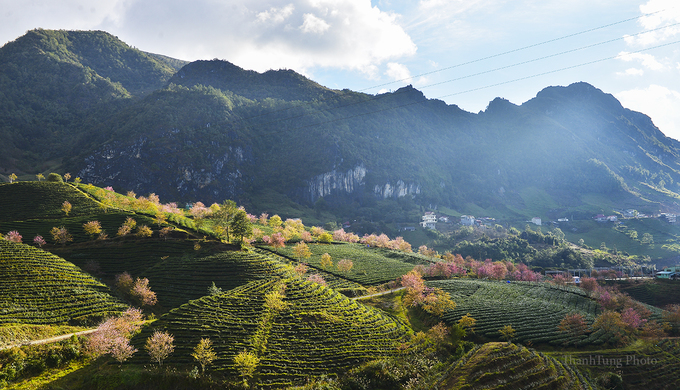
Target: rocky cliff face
<point>334,182</point>
<point>399,190</point>
<point>161,166</point>
<point>353,181</point>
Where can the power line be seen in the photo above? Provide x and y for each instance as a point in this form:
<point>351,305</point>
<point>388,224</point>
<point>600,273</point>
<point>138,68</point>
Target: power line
<point>472,62</point>
<point>377,97</point>
<point>548,56</point>
<point>515,50</point>
<point>487,86</point>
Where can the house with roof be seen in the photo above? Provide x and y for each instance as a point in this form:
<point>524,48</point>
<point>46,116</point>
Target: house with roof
<point>429,220</point>
<point>467,220</point>
<point>669,273</point>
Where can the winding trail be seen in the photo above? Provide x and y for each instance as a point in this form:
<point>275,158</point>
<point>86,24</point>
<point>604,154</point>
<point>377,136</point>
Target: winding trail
<point>379,294</point>
<point>49,340</point>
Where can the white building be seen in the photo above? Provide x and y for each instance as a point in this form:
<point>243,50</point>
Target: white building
<point>429,220</point>
<point>536,221</point>
<point>467,220</point>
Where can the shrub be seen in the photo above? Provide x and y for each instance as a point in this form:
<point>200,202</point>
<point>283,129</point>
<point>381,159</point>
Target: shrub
<point>204,353</point>
<point>246,362</point>
<point>326,238</point>
<point>13,236</point>
<point>55,177</point>
<point>144,231</point>
<point>160,346</point>
<point>142,293</point>
<point>39,241</point>
<point>92,228</point>
<point>61,235</point>
<point>66,207</point>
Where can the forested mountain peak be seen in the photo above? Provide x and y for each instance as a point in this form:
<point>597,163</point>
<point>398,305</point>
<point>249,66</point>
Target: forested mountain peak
<point>59,84</point>
<point>98,51</point>
<point>284,84</point>
<point>213,130</point>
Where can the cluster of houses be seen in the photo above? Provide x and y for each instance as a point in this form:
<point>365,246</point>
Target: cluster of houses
<point>669,273</point>
<point>430,219</point>
<point>632,213</point>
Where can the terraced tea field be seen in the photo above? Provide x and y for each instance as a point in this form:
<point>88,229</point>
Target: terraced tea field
<point>654,366</point>
<point>319,332</point>
<point>21,201</point>
<point>110,222</point>
<point>372,266</point>
<point>131,255</point>
<point>38,287</point>
<point>534,310</point>
<point>505,366</point>
<point>333,281</point>
<point>178,280</point>
<point>656,292</point>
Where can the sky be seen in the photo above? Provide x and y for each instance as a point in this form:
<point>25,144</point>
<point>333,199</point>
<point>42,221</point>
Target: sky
<point>464,52</point>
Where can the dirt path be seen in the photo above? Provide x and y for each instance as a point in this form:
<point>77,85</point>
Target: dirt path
<point>49,340</point>
<point>380,293</point>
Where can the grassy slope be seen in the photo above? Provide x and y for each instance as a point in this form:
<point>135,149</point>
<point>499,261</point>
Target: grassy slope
<point>320,332</point>
<point>650,365</point>
<point>22,201</point>
<point>534,310</point>
<point>371,265</point>
<point>40,288</point>
<point>508,366</point>
<point>656,292</point>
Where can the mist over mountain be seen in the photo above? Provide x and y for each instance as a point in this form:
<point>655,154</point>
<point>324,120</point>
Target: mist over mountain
<point>86,103</point>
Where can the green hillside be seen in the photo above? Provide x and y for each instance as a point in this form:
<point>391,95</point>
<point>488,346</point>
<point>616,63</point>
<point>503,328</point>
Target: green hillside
<point>178,280</point>
<point>40,288</point>
<point>656,292</point>
<point>318,332</point>
<point>371,266</point>
<point>26,200</point>
<point>534,310</point>
<point>58,85</point>
<point>652,366</point>
<point>509,366</point>
<point>273,84</point>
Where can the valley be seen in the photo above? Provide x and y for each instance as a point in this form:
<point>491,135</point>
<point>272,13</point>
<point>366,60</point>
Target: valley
<point>347,240</point>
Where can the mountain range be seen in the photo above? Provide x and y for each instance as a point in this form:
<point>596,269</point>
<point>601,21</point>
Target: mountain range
<point>85,102</point>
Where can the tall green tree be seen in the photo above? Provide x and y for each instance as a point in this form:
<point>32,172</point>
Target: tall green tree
<point>241,225</point>
<point>224,215</point>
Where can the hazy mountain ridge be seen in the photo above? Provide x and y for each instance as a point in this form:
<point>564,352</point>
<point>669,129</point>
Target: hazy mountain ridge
<point>212,131</point>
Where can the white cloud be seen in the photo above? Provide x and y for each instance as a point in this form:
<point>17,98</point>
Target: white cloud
<point>658,13</point>
<point>297,34</point>
<point>398,72</point>
<point>276,15</point>
<point>17,17</point>
<point>255,34</point>
<point>631,72</point>
<point>659,102</point>
<point>431,3</point>
<point>647,60</point>
<point>315,25</point>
